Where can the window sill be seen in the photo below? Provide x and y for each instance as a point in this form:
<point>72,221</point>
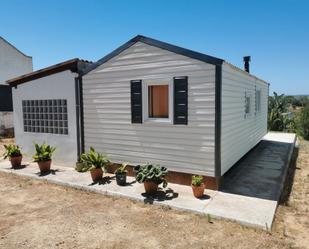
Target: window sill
<point>158,121</point>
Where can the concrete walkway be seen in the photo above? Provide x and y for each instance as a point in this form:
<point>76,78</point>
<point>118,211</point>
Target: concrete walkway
<point>241,198</point>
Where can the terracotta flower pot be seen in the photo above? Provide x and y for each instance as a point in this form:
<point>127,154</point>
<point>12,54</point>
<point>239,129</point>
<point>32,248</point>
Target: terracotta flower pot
<point>96,174</point>
<point>44,166</point>
<point>150,187</point>
<point>16,161</point>
<point>198,192</point>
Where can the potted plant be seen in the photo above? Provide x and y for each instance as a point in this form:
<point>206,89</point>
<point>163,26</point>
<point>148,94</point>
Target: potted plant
<point>151,176</point>
<point>96,161</point>
<point>81,166</point>
<point>198,186</point>
<point>43,155</point>
<point>14,154</point>
<point>121,175</point>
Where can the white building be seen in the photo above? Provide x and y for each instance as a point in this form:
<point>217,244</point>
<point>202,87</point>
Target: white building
<point>12,63</point>
<point>46,109</point>
<point>149,101</point>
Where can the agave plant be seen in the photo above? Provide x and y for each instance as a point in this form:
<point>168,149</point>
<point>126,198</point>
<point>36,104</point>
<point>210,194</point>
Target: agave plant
<point>43,152</point>
<point>94,159</point>
<point>11,150</point>
<point>153,173</point>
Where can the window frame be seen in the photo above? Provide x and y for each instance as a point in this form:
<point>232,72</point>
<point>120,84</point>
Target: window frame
<point>145,96</point>
<point>45,116</point>
<point>248,95</point>
<point>258,103</point>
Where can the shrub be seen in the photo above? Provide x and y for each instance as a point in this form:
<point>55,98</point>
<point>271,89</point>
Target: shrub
<point>94,159</point>
<point>197,180</point>
<point>277,105</point>
<point>149,172</point>
<point>11,150</point>
<point>303,123</point>
<point>43,152</point>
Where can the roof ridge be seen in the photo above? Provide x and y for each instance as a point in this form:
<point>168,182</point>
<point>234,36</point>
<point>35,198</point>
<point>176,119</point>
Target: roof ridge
<point>160,44</point>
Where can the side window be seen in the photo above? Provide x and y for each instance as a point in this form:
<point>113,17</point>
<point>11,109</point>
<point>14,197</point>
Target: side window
<point>257,101</point>
<point>247,104</point>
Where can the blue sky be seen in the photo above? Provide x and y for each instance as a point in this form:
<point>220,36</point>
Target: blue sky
<point>274,33</point>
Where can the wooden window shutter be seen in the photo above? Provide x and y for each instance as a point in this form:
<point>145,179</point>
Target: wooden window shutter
<point>181,100</point>
<point>136,101</point>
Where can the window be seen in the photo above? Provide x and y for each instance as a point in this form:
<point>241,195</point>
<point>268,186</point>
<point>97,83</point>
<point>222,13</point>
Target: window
<point>247,104</point>
<point>257,100</point>
<point>158,101</point>
<point>45,116</point>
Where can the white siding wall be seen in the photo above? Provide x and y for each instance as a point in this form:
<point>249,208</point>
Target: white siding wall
<point>239,134</point>
<point>12,62</point>
<point>57,86</point>
<point>107,114</point>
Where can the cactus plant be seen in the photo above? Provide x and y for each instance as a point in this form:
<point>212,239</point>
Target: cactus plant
<point>151,173</point>
<point>198,186</point>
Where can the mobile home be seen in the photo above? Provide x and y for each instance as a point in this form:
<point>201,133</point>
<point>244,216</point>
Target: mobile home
<point>150,101</point>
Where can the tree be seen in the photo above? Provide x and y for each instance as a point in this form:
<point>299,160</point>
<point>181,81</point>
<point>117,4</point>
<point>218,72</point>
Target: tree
<point>303,101</point>
<point>303,123</point>
<point>277,105</point>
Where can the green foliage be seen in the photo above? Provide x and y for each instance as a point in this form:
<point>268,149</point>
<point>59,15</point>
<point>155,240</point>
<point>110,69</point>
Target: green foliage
<point>43,152</point>
<point>303,123</point>
<point>277,105</point>
<point>94,159</point>
<point>81,167</point>
<point>11,150</point>
<point>121,169</point>
<point>197,180</point>
<point>304,101</point>
<point>149,172</point>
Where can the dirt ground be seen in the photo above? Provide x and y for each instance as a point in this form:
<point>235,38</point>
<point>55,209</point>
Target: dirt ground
<point>36,214</point>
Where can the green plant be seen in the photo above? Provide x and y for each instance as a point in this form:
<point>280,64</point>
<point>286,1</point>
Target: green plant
<point>11,150</point>
<point>94,159</point>
<point>149,172</point>
<point>43,152</point>
<point>121,169</point>
<point>81,166</point>
<point>303,123</point>
<point>197,180</point>
<point>277,105</point>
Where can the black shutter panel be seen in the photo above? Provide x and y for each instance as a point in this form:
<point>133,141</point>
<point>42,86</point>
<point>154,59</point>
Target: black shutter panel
<point>136,101</point>
<point>181,100</point>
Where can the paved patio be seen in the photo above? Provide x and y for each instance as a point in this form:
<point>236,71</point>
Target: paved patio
<point>249,195</point>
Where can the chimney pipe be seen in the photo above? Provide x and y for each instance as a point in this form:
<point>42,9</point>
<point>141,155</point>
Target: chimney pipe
<point>246,61</point>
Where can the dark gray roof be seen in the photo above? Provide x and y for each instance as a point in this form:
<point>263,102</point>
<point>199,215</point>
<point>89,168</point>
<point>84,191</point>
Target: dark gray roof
<point>139,38</point>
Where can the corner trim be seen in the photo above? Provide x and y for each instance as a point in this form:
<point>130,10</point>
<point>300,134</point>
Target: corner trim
<point>81,103</point>
<point>78,121</point>
<point>79,116</point>
<point>218,118</point>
